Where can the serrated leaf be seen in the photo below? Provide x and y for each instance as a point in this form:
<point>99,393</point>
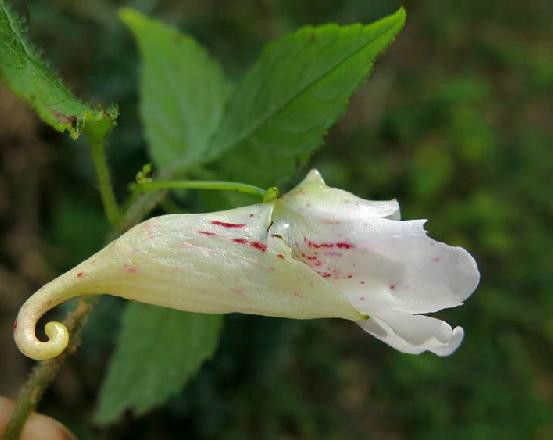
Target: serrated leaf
<point>22,70</point>
<point>183,91</point>
<point>158,350</point>
<point>297,89</point>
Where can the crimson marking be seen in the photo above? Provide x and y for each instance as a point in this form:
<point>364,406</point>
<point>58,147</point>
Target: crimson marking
<point>254,244</point>
<point>130,269</point>
<point>228,225</point>
<point>339,244</point>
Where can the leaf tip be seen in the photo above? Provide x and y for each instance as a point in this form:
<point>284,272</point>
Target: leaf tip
<point>397,19</point>
<point>401,15</point>
<point>129,16</point>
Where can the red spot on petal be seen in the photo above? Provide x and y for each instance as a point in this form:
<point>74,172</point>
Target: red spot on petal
<point>250,216</point>
<point>392,286</point>
<point>14,325</point>
<point>436,259</point>
<point>207,233</point>
<point>280,256</point>
<point>350,276</point>
<point>129,268</point>
<point>228,225</point>
<point>80,274</point>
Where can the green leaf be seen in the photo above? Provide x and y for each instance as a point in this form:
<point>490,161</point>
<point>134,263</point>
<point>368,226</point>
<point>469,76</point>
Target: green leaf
<point>31,79</point>
<point>158,350</point>
<point>183,91</point>
<point>296,90</point>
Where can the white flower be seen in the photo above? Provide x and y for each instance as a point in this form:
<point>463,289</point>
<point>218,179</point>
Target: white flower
<point>316,252</point>
<point>389,269</point>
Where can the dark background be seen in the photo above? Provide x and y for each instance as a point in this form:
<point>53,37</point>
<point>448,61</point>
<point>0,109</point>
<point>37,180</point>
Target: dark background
<point>455,121</point>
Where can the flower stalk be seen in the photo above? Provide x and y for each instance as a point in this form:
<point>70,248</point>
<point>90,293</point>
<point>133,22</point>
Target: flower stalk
<point>156,185</point>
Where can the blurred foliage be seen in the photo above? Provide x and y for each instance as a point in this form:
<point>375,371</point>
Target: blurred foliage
<point>455,122</point>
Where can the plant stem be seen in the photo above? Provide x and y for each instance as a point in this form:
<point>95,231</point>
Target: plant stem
<point>200,184</point>
<point>106,190</point>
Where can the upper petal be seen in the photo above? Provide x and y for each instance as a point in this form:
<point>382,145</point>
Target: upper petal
<point>314,199</point>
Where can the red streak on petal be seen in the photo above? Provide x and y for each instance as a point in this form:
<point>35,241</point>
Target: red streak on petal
<point>258,245</point>
<point>228,225</point>
<point>344,245</point>
<point>280,256</point>
<point>339,244</point>
<point>14,325</point>
<point>254,244</point>
<point>80,274</point>
<point>207,233</point>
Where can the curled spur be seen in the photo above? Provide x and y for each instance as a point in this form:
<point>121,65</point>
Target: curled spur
<point>316,252</point>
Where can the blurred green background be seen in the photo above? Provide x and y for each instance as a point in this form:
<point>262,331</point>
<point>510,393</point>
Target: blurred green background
<point>456,121</point>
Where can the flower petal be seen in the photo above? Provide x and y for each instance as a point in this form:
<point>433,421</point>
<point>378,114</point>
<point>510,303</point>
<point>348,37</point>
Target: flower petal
<point>414,333</point>
<point>383,263</point>
<point>312,198</point>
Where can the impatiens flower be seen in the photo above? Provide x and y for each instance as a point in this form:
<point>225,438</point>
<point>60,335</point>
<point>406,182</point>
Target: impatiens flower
<point>316,252</point>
